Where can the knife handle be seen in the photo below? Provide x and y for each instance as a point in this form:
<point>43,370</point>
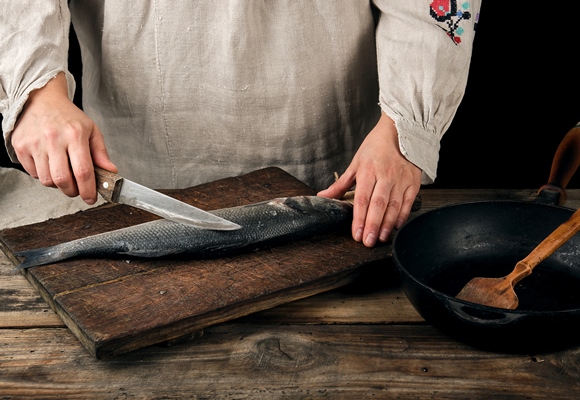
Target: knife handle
<point>108,184</point>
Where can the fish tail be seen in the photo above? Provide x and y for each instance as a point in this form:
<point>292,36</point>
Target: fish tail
<point>41,256</point>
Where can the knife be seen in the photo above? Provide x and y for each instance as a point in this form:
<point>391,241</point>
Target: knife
<point>117,189</point>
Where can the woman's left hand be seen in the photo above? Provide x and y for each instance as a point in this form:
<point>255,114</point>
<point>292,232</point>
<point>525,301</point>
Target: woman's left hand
<point>386,185</point>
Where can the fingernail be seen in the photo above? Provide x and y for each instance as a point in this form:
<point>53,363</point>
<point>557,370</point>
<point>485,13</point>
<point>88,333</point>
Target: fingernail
<point>370,240</point>
<point>384,236</point>
<point>399,223</point>
<point>358,235</point>
<point>90,202</point>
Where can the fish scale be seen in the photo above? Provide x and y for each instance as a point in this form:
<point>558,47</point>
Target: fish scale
<point>263,223</point>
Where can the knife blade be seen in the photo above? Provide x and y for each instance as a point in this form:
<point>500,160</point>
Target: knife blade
<point>116,189</point>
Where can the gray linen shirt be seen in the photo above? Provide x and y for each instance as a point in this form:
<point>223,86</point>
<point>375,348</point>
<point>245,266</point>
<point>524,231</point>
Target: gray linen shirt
<point>187,92</point>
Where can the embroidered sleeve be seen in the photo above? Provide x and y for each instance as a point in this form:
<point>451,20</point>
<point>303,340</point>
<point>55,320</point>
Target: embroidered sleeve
<point>424,51</point>
<point>452,17</point>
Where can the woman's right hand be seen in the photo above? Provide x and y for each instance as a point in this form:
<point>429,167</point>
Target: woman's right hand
<point>57,143</point>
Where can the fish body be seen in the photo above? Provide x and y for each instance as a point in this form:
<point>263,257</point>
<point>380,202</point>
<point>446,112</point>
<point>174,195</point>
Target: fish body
<point>263,223</point>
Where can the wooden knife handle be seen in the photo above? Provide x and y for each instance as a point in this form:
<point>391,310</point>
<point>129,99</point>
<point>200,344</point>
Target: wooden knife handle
<point>108,184</point>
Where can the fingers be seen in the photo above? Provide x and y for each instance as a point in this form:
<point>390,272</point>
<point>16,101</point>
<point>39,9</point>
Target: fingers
<point>383,209</point>
<point>28,164</point>
<point>82,170</point>
<point>382,201</point>
<point>379,209</point>
<point>99,153</point>
<point>32,154</point>
<point>56,142</point>
<point>83,160</point>
<point>372,211</point>
<point>409,197</point>
<point>58,166</point>
<point>386,185</point>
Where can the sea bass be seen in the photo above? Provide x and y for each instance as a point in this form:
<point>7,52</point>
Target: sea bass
<point>264,223</point>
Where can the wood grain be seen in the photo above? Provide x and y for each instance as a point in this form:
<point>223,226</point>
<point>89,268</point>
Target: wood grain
<point>117,305</point>
<point>362,340</point>
<point>242,361</point>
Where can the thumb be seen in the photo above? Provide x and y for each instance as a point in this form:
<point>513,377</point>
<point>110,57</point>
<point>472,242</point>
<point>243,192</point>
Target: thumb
<point>337,190</point>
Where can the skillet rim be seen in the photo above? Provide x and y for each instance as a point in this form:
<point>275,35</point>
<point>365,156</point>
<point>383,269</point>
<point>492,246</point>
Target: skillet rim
<point>449,298</point>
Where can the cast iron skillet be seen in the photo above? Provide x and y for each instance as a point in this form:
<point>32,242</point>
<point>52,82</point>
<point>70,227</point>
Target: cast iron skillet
<point>438,252</point>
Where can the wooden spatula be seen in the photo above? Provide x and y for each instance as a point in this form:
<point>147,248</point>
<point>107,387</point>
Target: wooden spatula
<point>499,292</point>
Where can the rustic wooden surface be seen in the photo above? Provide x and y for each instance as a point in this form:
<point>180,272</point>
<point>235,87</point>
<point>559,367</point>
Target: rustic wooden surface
<point>115,305</point>
<point>363,340</point>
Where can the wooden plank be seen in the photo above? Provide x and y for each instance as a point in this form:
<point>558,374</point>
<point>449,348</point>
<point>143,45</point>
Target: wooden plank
<point>114,306</point>
<point>289,351</point>
<point>21,306</point>
<point>234,360</point>
<point>374,297</point>
<point>339,307</point>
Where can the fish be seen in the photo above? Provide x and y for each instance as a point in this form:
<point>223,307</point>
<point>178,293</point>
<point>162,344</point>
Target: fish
<point>270,222</point>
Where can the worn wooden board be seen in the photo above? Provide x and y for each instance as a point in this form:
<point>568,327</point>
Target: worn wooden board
<point>248,361</point>
<point>118,305</point>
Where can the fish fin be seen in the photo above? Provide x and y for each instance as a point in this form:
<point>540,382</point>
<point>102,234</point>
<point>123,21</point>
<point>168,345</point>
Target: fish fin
<point>237,244</point>
<point>226,248</point>
<point>40,256</point>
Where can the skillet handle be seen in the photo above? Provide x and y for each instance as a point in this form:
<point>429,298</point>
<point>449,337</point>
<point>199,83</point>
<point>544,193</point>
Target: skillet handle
<point>564,165</point>
<point>480,315</point>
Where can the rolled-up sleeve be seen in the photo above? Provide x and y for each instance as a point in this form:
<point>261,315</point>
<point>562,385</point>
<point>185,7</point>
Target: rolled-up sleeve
<point>34,39</point>
<point>424,51</point>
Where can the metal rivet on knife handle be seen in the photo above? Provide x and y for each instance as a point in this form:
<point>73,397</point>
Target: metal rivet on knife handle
<point>108,184</point>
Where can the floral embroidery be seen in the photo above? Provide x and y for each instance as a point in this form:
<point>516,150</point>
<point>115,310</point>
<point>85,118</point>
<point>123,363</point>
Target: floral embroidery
<point>447,12</point>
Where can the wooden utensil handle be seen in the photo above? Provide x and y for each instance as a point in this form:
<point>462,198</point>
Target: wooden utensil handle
<point>553,241</point>
<point>108,184</point>
<point>564,164</point>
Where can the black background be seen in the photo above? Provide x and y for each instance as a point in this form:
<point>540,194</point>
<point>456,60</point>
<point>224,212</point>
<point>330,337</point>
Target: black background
<point>521,99</point>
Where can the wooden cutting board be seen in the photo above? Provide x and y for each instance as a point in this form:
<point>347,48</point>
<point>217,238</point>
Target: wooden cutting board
<point>117,305</point>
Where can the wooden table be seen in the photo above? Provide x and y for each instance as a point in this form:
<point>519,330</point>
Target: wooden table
<point>360,341</point>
